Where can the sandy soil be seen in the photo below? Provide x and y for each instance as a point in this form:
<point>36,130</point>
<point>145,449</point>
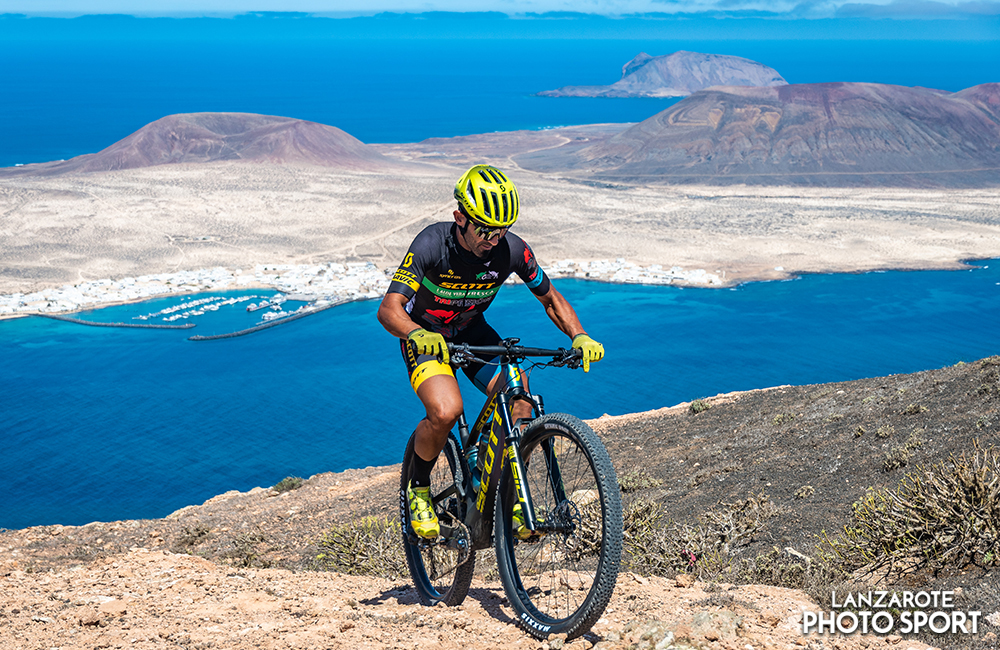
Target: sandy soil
<point>76,227</point>
<point>156,599</point>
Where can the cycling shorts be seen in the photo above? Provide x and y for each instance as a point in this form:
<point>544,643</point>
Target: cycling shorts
<point>422,366</point>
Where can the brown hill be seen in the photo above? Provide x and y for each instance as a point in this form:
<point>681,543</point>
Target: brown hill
<point>813,134</point>
<point>677,75</point>
<point>211,137</point>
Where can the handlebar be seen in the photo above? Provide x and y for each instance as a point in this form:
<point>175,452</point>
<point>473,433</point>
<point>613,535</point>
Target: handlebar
<point>463,353</point>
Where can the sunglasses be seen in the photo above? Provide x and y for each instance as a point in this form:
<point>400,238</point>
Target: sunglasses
<point>487,232</point>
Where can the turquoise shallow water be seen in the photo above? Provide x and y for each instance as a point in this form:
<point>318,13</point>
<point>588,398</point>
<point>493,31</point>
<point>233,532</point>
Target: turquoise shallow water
<point>107,424</point>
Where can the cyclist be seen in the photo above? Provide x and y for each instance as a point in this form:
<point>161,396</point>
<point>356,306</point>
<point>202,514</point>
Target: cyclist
<point>448,278</point>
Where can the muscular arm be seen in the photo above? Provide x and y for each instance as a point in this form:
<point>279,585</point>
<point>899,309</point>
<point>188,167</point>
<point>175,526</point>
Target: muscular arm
<point>392,314</point>
<point>561,312</point>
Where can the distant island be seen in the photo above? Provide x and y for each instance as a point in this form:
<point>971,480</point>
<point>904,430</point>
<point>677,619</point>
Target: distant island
<point>221,137</point>
<point>829,134</point>
<point>677,75</point>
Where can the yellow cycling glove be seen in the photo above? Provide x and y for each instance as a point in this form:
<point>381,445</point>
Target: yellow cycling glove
<point>592,350</point>
<point>424,342</point>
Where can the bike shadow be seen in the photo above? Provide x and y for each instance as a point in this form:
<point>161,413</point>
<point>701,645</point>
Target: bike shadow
<point>491,600</point>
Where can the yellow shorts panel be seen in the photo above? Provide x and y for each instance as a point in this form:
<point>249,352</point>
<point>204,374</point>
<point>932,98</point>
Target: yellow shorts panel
<point>429,369</point>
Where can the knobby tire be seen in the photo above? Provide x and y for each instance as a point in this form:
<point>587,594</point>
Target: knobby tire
<point>561,582</point>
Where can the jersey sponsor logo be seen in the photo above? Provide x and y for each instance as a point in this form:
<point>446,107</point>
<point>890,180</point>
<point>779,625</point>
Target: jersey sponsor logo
<point>456,291</point>
<point>467,285</point>
<point>445,301</point>
<point>487,275</point>
<point>465,302</point>
<point>444,316</point>
<point>527,255</point>
<point>407,278</point>
<point>536,278</point>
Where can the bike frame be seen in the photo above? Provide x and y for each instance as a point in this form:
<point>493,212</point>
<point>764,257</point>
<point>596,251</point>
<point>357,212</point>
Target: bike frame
<point>503,441</point>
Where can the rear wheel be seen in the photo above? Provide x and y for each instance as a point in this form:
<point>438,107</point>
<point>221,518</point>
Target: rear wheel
<point>441,569</point>
<point>561,579</point>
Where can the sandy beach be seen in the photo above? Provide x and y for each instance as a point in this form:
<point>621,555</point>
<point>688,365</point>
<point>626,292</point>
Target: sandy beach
<point>232,218</point>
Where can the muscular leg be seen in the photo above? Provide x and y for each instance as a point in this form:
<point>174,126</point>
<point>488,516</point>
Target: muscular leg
<point>443,403</point>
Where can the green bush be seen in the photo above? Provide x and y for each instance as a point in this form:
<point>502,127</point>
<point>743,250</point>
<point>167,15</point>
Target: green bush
<point>370,546</point>
<point>947,514</point>
<point>699,406</point>
<point>288,483</point>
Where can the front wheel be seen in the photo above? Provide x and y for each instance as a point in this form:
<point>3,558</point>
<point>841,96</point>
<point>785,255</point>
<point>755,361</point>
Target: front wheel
<point>560,579</point>
<point>441,569</point>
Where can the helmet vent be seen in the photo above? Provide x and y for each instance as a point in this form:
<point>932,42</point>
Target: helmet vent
<point>506,208</point>
<point>496,206</point>
<point>486,202</point>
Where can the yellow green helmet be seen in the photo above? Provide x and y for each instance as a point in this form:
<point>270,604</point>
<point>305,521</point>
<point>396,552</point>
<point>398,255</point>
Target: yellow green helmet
<point>486,195</point>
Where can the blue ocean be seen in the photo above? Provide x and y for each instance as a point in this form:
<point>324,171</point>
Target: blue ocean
<point>107,424</point>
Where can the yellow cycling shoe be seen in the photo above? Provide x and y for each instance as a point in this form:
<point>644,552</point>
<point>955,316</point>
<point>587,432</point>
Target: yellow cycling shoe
<point>422,517</point>
<point>521,531</point>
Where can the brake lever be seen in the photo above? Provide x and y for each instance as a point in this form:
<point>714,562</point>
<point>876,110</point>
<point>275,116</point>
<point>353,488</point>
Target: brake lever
<point>568,358</point>
<point>459,355</point>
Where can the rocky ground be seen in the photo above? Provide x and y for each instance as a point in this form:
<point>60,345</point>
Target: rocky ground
<point>240,572</point>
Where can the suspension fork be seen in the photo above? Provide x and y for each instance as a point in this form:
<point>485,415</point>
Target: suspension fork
<point>517,468</point>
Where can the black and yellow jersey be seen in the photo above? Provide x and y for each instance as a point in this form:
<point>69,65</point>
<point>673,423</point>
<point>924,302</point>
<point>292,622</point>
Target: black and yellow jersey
<point>449,288</point>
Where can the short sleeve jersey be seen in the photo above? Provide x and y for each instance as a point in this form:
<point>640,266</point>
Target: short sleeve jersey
<point>449,288</point>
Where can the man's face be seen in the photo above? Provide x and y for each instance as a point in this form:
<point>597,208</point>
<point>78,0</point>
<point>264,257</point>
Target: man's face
<point>472,240</point>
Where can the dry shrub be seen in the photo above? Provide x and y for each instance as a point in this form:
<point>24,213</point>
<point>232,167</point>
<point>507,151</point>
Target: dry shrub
<point>655,545</point>
<point>245,551</point>
<point>637,480</point>
<point>899,456</point>
<point>816,576</point>
<point>370,546</point>
<point>947,514</point>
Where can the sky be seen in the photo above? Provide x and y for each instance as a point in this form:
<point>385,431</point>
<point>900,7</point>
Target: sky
<point>900,9</point>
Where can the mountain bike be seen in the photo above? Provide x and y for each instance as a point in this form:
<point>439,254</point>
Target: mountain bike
<point>559,566</point>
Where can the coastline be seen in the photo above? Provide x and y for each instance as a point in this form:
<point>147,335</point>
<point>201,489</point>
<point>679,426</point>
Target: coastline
<point>366,281</point>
